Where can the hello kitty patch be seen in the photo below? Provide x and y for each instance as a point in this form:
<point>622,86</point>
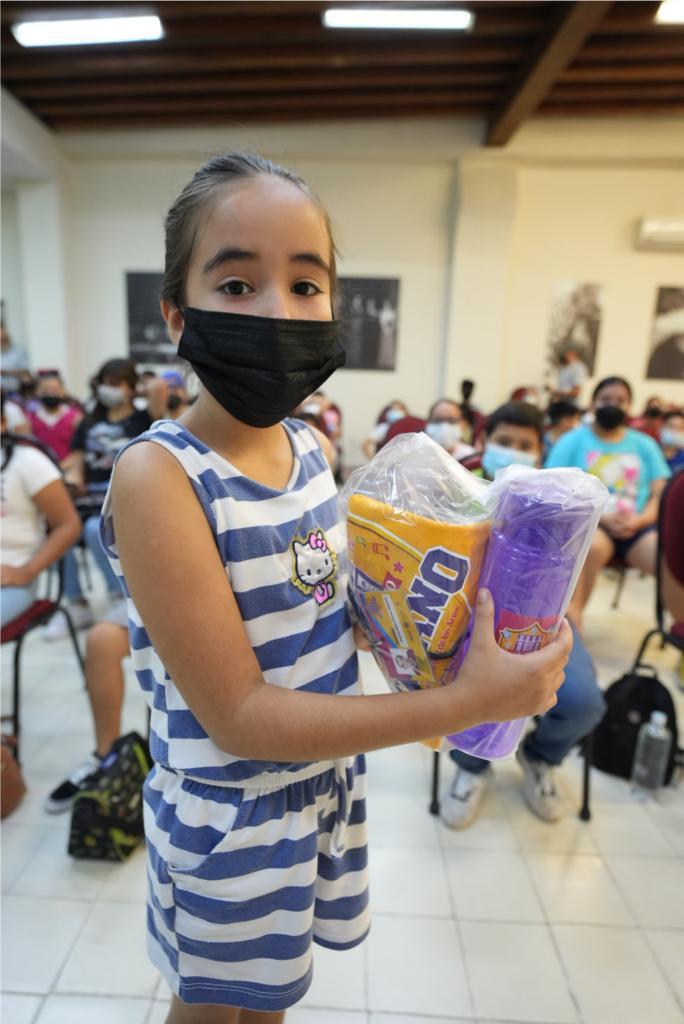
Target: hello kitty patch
<point>314,565</point>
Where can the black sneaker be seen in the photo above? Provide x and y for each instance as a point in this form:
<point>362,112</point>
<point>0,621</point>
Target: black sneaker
<point>60,798</point>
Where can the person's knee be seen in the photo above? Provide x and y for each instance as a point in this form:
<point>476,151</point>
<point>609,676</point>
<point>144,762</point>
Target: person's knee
<point>107,640</point>
<point>601,550</point>
<point>198,1013</point>
<point>643,555</point>
<point>583,705</point>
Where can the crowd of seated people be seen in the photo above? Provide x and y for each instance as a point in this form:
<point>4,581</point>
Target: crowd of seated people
<point>62,455</point>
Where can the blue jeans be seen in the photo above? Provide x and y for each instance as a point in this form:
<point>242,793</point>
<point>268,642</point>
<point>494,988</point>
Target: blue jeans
<point>580,707</point>
<point>15,601</point>
<point>72,583</point>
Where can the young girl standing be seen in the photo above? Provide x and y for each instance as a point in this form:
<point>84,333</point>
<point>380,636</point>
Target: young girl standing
<point>224,528</point>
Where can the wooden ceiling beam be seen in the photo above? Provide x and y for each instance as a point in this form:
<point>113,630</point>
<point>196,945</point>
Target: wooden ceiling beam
<point>323,115</point>
<point>238,104</point>
<point>295,29</point>
<point>637,91</point>
<point>661,108</point>
<point>657,46</point>
<point>131,63</point>
<point>12,11</point>
<point>313,81</point>
<point>553,56</point>
<point>589,73</point>
<point>200,9</point>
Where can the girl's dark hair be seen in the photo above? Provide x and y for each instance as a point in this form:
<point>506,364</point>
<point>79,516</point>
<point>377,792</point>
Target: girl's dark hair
<point>451,401</point>
<point>518,414</point>
<point>560,410</point>
<point>118,370</point>
<point>609,381</point>
<point>382,415</point>
<point>183,220</point>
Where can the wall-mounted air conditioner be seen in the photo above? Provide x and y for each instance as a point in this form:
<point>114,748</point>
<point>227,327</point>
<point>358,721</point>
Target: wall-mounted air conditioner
<point>660,233</point>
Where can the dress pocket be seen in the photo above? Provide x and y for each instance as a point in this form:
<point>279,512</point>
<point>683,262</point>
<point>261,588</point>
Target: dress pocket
<point>202,827</point>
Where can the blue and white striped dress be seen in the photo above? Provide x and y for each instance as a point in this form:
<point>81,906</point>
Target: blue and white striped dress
<point>250,861</point>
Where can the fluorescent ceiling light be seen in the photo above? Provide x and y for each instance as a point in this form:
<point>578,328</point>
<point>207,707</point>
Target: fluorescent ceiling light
<point>358,17</point>
<point>80,31</point>
<point>671,12</point>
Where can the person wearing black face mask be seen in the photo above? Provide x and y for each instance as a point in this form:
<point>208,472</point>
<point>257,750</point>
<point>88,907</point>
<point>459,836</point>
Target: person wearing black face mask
<point>54,420</point>
<point>633,468</point>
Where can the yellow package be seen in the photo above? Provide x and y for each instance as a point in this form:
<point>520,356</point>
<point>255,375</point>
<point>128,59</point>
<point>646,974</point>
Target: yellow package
<point>413,581</point>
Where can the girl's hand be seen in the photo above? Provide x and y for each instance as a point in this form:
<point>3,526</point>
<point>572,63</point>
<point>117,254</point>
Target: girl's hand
<point>14,576</point>
<point>504,686</point>
<point>360,639</point>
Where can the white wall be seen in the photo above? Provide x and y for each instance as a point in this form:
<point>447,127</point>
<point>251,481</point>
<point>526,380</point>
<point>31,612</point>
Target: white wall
<point>12,285</point>
<point>477,236</point>
<point>578,225</point>
<point>385,226</point>
<point>34,172</point>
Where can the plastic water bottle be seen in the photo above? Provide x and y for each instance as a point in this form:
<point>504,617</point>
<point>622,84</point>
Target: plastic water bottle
<point>651,756</point>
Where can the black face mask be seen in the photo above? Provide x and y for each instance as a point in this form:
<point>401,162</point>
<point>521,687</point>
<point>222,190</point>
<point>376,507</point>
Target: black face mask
<point>258,368</point>
<point>51,402</point>
<point>610,416</point>
<point>174,402</point>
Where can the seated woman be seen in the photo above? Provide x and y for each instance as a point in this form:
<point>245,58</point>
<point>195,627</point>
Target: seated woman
<point>633,468</point>
<point>447,425</point>
<point>33,496</point>
<point>672,439</point>
<point>392,413</point>
<point>112,422</point>
<point>55,420</point>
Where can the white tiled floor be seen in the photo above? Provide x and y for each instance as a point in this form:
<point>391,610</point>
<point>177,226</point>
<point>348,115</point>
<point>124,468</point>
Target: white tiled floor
<point>510,921</point>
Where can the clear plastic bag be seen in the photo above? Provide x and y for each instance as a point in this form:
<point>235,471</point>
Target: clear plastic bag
<point>424,534</point>
<point>417,530</point>
<point>543,522</point>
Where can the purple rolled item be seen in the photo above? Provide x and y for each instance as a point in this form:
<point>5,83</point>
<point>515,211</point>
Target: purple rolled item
<point>542,529</point>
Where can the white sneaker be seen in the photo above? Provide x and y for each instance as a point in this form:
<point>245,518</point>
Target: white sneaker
<point>57,628</point>
<point>61,798</point>
<point>539,788</point>
<point>461,805</point>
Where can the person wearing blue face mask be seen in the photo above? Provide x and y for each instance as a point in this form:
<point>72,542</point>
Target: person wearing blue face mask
<point>514,434</point>
<point>392,413</point>
<point>448,426</point>
<point>672,439</point>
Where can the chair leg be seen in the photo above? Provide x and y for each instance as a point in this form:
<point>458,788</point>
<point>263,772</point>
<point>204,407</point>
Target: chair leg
<point>434,803</point>
<point>644,644</point>
<point>587,751</point>
<point>85,566</point>
<point>74,641</point>
<point>16,695</point>
<point>619,588</point>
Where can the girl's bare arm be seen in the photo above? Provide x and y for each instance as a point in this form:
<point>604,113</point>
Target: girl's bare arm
<point>182,592</point>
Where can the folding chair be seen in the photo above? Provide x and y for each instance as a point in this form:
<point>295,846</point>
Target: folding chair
<point>670,553</point>
<point>16,631</point>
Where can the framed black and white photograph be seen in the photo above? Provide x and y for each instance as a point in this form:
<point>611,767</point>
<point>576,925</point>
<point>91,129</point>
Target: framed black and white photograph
<point>148,341</point>
<point>666,358</point>
<point>369,310</point>
<point>575,322</point>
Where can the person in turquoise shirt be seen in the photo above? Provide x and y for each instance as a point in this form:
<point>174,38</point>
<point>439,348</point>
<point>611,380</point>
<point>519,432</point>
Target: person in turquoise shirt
<point>633,468</point>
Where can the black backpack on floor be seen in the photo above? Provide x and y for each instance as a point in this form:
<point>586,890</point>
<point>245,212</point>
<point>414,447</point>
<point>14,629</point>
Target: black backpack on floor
<point>107,817</point>
<point>629,703</point>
